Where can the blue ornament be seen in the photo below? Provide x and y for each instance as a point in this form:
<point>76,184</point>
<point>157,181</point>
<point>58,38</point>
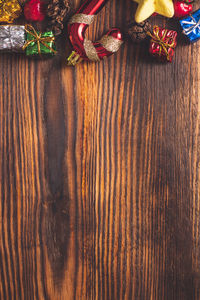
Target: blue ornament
<point>191,26</point>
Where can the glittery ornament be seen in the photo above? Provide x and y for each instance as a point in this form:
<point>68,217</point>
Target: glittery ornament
<point>9,10</point>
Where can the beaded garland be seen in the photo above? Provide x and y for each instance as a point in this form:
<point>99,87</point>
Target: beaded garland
<point>34,42</point>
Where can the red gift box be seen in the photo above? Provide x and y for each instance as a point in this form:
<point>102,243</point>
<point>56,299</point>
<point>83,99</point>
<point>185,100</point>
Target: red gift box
<point>163,43</point>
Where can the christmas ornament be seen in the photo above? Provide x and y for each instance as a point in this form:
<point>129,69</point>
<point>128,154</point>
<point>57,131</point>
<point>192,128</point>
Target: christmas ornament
<point>191,26</point>
<point>9,10</point>
<point>163,43</point>
<point>147,7</point>
<point>138,31</point>
<point>181,9</point>
<point>17,38</point>
<point>20,38</point>
<point>39,43</point>
<point>84,48</point>
<point>12,38</point>
<point>34,10</point>
<point>57,12</point>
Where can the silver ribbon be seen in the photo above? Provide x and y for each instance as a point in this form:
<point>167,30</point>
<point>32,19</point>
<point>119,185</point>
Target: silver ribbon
<point>110,43</point>
<point>82,18</point>
<point>194,25</point>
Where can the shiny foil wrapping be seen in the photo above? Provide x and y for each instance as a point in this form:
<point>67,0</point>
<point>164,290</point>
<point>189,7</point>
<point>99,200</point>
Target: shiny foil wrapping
<point>12,37</point>
<point>191,26</point>
<point>40,43</point>
<point>9,10</point>
<point>163,43</point>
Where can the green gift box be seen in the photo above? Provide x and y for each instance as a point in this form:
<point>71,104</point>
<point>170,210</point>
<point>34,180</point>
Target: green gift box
<point>39,43</point>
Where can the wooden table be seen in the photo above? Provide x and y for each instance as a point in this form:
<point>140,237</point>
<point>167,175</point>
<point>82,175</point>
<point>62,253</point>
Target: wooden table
<point>100,174</point>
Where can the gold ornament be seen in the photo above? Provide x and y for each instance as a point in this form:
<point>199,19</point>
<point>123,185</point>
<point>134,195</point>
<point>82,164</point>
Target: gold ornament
<point>9,10</point>
<point>147,7</point>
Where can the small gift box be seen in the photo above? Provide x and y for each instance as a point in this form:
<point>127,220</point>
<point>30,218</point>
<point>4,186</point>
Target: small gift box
<point>39,43</point>
<point>163,43</point>
<point>191,26</point>
<point>12,37</point>
<point>9,10</point>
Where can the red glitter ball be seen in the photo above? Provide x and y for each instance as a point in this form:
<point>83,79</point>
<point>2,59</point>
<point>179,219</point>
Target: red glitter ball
<point>34,10</point>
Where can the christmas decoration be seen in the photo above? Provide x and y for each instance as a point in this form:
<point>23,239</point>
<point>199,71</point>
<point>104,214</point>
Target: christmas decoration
<point>84,48</point>
<point>138,31</point>
<point>20,38</point>
<point>39,43</point>
<point>181,9</point>
<point>191,26</point>
<point>34,10</point>
<point>147,7</point>
<point>9,10</point>
<point>12,37</point>
<point>162,43</point>
<point>57,12</point>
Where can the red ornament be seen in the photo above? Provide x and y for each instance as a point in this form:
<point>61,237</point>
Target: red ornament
<point>181,9</point>
<point>83,48</point>
<point>34,10</point>
<point>163,43</point>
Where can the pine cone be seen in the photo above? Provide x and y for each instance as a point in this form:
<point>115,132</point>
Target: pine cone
<point>57,11</point>
<point>138,31</point>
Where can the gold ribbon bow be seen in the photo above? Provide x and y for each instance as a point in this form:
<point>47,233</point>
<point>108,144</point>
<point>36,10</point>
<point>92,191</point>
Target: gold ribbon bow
<point>165,45</point>
<point>38,38</point>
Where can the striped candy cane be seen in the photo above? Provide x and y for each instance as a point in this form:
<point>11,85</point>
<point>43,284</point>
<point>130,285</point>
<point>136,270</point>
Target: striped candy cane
<point>84,48</point>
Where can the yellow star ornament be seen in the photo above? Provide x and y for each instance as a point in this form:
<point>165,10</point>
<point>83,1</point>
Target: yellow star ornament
<point>147,7</point>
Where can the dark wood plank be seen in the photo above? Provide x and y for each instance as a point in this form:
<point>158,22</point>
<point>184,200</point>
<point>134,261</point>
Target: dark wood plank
<point>99,174</point>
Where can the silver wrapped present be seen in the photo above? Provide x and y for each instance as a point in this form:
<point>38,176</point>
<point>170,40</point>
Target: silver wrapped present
<point>12,37</point>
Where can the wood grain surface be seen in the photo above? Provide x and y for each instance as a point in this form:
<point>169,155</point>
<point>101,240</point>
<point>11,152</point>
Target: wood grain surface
<point>100,174</point>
